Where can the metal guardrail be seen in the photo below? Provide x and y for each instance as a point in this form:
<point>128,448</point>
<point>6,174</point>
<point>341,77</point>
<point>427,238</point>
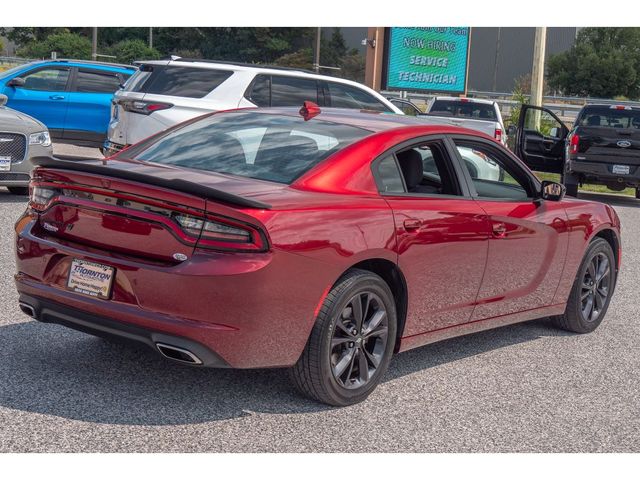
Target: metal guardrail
<point>566,108</point>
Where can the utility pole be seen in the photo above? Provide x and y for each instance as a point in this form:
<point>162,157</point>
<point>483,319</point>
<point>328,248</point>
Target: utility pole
<point>537,73</point>
<point>94,44</point>
<point>150,37</point>
<point>316,57</point>
<point>497,59</point>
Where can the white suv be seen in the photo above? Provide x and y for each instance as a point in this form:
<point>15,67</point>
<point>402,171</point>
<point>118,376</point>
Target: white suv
<point>163,93</point>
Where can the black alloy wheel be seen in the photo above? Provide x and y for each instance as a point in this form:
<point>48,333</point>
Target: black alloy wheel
<point>359,340</point>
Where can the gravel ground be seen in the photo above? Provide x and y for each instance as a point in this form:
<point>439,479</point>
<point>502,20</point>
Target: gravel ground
<point>523,388</point>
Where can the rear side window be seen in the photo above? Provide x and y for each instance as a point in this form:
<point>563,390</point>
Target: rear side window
<point>347,96</point>
<point>480,111</point>
<point>96,82</point>
<point>389,176</point>
<point>277,148</point>
<point>261,91</point>
<point>609,118</point>
<point>292,91</point>
<point>178,81</point>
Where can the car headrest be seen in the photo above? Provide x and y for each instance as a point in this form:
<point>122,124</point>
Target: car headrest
<point>593,121</point>
<point>411,165</point>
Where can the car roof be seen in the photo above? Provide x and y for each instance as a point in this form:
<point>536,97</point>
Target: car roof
<point>81,63</point>
<point>248,67</point>
<point>373,121</point>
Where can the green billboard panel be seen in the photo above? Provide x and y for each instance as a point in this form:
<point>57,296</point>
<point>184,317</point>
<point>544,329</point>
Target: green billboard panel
<point>427,58</point>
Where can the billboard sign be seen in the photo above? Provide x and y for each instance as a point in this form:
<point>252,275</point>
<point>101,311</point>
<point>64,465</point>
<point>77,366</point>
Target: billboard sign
<point>432,59</point>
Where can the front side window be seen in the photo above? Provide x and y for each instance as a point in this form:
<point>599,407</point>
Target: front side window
<point>277,148</point>
<point>292,91</point>
<point>47,79</point>
<point>96,82</point>
<point>491,175</point>
<point>347,96</point>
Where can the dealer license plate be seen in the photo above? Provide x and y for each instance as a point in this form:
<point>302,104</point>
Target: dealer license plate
<point>92,279</point>
<point>5,162</point>
<point>620,169</point>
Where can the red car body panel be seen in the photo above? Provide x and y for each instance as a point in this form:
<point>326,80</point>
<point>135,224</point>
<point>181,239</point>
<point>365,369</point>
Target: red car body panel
<point>257,309</point>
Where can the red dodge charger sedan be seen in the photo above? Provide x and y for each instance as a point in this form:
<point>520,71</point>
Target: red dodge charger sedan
<point>320,241</point>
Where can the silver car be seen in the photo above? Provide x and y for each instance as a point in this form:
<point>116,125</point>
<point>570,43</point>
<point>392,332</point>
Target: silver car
<point>21,139</point>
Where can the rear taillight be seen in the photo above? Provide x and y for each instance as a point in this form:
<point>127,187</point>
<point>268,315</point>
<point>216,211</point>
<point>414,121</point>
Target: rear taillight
<point>40,197</point>
<point>574,142</point>
<point>145,108</point>
<point>498,134</point>
<point>222,234</point>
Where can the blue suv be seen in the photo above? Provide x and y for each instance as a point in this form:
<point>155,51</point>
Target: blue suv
<point>71,97</point>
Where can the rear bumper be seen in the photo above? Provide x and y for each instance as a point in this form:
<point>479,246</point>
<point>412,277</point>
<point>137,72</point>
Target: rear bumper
<point>48,311</point>
<point>602,172</point>
<point>251,311</point>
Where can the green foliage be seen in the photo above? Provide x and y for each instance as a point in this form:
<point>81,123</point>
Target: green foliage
<point>127,51</point>
<point>290,46</point>
<point>65,44</point>
<point>605,62</point>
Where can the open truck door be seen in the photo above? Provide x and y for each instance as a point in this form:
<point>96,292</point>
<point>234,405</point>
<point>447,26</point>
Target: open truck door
<point>540,139</point>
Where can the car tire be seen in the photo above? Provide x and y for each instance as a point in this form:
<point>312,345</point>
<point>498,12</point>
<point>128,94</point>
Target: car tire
<point>570,182</point>
<point>638,193</point>
<point>574,318</point>
<point>19,190</point>
<point>327,370</point>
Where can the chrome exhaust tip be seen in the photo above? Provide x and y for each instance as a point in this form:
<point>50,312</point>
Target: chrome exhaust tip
<point>178,354</point>
<point>28,309</point>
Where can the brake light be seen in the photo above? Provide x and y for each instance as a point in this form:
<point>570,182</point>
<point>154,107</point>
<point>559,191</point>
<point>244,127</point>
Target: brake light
<point>40,197</point>
<point>573,143</point>
<point>620,107</point>
<point>221,234</point>
<point>464,100</point>
<point>145,108</point>
<point>498,134</point>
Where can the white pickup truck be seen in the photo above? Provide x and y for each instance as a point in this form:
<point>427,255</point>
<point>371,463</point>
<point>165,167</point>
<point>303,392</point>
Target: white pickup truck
<point>472,113</point>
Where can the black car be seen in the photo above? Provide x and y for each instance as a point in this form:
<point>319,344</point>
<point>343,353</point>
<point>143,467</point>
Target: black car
<point>602,148</point>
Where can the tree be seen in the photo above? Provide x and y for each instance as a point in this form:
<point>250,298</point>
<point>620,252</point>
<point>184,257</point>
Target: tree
<point>127,51</point>
<point>65,44</point>
<point>604,62</point>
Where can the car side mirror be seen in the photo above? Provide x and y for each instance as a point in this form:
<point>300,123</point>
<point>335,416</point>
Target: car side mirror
<point>552,191</point>
<point>16,82</point>
<point>3,100</point>
<point>511,130</point>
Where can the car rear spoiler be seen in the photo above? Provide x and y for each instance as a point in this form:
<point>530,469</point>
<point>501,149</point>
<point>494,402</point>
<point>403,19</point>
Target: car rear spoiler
<point>177,184</point>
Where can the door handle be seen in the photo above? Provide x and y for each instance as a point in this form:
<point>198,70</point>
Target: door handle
<point>499,230</point>
<point>56,97</point>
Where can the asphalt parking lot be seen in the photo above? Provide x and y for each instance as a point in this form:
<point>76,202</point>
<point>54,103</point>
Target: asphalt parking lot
<point>525,388</point>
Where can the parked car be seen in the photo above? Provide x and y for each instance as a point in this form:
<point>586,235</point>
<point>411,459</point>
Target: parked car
<point>308,239</point>
<point>473,113</point>
<point>602,148</point>
<point>71,97</point>
<point>21,139</point>
<point>164,93</point>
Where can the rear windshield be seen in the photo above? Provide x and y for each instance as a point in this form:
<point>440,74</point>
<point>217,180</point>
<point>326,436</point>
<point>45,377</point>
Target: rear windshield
<point>481,111</point>
<point>609,118</point>
<point>271,147</point>
<point>177,81</point>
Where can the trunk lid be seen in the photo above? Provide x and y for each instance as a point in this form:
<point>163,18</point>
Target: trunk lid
<point>132,208</point>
